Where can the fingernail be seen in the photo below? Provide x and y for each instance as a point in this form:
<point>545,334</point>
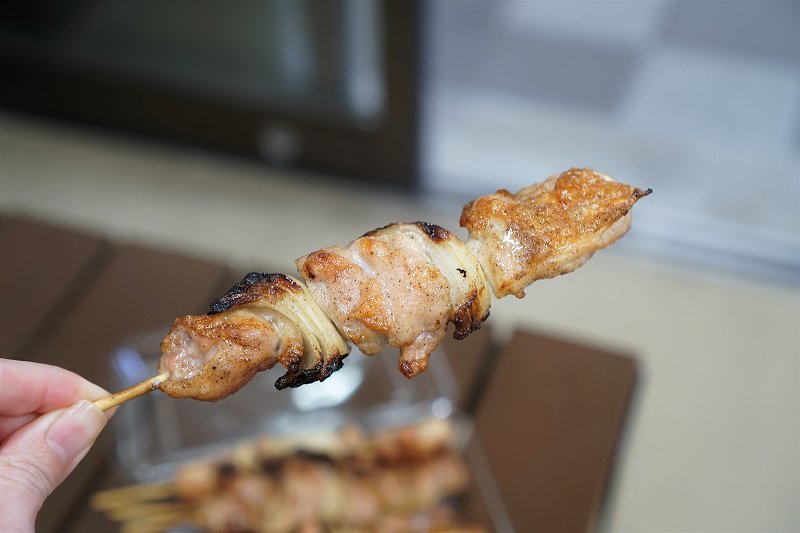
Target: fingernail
<point>75,429</point>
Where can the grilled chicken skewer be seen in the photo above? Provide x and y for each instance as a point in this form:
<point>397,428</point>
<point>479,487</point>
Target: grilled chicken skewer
<point>348,480</point>
<point>399,285</point>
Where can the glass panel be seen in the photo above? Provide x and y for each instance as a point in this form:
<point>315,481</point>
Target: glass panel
<point>302,56</point>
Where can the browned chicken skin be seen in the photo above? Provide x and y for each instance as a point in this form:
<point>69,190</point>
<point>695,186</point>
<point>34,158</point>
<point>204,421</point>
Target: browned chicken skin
<point>399,285</point>
<point>547,229</point>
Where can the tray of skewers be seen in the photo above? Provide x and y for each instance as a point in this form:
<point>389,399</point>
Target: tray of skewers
<point>393,480</point>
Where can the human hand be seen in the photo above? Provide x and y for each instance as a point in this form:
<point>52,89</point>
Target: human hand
<point>46,427</point>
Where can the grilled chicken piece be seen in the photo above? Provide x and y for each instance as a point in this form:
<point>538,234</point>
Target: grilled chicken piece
<point>197,481</point>
<point>412,443</point>
<point>263,320</point>
<point>547,229</point>
<point>399,285</point>
<point>212,356</point>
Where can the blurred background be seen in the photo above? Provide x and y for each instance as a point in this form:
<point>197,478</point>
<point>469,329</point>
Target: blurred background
<point>254,133</point>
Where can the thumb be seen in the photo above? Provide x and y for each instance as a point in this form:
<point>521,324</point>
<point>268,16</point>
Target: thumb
<point>37,458</point>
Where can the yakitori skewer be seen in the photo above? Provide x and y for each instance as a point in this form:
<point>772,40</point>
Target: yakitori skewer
<point>399,285</point>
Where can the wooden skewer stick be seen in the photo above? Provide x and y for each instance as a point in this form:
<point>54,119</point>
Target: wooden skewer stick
<point>157,524</point>
<point>148,511</point>
<point>130,393</point>
<point>132,494</point>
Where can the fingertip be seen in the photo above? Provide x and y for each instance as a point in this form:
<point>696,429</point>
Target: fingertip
<point>75,429</point>
<point>27,387</point>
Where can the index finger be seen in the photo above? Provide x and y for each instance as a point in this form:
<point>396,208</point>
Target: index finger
<point>27,387</point>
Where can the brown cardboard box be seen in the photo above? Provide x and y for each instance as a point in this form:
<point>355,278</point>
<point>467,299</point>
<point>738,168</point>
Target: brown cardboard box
<point>549,422</point>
